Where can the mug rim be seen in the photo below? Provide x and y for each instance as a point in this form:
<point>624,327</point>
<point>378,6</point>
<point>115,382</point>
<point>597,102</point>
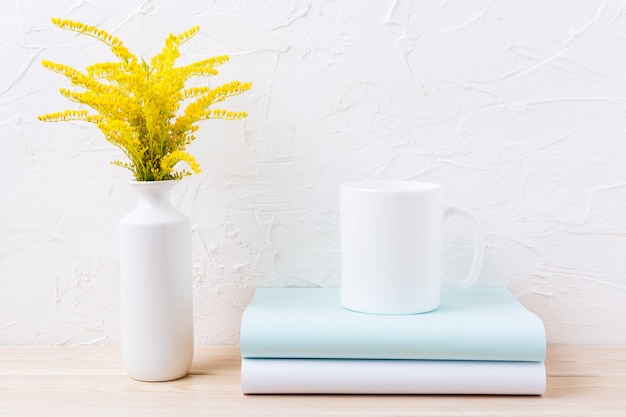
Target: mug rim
<point>391,186</point>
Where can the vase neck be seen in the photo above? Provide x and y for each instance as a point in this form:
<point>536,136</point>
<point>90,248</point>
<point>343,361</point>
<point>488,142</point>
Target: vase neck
<point>153,193</point>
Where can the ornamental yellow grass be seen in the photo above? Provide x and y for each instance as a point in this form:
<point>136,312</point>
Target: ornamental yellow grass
<point>137,104</point>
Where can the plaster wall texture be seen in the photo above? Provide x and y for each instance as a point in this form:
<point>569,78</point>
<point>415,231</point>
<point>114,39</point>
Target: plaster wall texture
<point>517,108</point>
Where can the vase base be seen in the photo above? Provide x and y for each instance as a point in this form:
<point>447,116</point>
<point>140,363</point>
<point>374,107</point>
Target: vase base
<point>158,379</point>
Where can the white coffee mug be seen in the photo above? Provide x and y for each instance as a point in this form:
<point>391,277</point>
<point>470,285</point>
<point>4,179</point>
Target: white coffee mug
<point>391,246</point>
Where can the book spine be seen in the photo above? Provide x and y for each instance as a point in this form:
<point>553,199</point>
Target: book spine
<point>321,376</point>
<point>325,348</point>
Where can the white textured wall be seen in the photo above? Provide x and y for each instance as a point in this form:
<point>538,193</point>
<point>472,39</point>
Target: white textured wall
<point>516,107</point>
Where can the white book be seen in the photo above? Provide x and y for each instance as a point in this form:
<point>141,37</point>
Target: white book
<point>391,376</point>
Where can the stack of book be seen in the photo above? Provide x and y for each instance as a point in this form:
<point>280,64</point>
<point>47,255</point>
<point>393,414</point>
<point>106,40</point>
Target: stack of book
<point>480,340</point>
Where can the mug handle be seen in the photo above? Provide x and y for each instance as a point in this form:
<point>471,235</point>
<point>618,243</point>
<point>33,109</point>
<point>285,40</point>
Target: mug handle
<point>477,259</point>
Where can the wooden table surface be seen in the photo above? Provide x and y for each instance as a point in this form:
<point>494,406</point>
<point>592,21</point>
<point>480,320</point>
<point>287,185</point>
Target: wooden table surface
<point>90,381</point>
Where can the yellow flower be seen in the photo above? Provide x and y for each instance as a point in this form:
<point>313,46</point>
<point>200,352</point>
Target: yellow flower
<point>168,163</point>
<point>138,105</point>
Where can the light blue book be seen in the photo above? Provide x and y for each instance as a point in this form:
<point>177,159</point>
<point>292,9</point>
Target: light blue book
<point>479,323</point>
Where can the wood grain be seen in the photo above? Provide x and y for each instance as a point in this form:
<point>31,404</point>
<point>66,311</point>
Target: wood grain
<point>90,381</point>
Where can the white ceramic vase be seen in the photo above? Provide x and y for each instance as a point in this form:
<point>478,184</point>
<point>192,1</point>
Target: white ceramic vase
<point>156,306</point>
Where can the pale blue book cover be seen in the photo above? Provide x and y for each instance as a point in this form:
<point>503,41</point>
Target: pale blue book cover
<point>478,323</point>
